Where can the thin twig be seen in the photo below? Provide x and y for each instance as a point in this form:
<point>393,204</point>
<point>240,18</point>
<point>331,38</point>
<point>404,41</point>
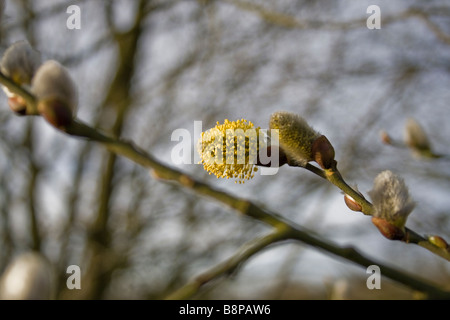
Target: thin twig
<point>246,207</point>
<point>293,231</point>
<point>411,236</point>
<point>227,267</point>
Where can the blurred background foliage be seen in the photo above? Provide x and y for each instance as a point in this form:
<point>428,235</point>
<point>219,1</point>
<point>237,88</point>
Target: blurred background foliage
<point>146,68</point>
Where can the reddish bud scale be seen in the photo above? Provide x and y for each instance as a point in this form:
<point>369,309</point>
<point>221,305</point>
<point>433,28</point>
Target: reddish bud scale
<point>385,138</point>
<point>323,152</point>
<point>352,204</point>
<point>18,105</point>
<point>388,230</point>
<point>56,112</point>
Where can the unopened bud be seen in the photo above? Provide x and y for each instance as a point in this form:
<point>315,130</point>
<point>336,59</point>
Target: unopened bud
<point>385,137</point>
<point>438,242</point>
<point>28,277</point>
<point>416,138</point>
<point>296,138</point>
<point>19,63</point>
<point>351,203</point>
<point>56,94</point>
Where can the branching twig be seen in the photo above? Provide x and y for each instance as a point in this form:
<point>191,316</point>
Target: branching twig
<point>292,232</point>
<point>246,207</point>
<point>228,266</point>
<point>411,236</point>
<point>285,229</point>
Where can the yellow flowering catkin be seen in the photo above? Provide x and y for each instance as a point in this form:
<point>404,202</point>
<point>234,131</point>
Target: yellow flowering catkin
<point>230,150</point>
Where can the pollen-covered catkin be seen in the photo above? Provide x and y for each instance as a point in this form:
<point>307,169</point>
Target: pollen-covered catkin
<point>229,150</point>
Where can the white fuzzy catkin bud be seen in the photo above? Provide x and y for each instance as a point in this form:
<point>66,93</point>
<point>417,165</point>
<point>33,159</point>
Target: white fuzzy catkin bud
<point>28,277</point>
<point>20,62</point>
<point>416,139</point>
<point>56,93</point>
<point>52,80</point>
<point>391,199</point>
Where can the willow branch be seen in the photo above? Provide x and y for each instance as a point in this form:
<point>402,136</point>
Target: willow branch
<point>286,232</point>
<point>246,207</point>
<point>230,265</point>
<point>334,177</point>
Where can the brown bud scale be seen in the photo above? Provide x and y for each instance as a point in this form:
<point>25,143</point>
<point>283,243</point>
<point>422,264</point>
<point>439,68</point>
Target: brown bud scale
<point>352,204</point>
<point>388,230</point>
<point>56,112</point>
<point>323,152</point>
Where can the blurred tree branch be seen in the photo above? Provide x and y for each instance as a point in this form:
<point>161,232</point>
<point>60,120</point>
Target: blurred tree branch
<point>287,21</point>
